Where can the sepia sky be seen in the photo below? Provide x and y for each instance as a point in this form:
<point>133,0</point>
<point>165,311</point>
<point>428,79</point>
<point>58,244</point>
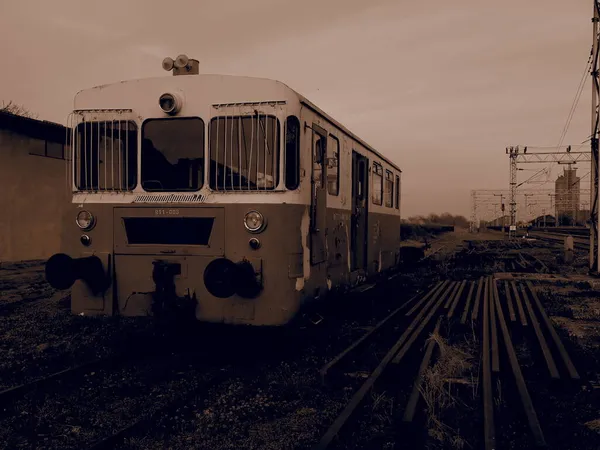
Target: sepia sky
<point>440,87</point>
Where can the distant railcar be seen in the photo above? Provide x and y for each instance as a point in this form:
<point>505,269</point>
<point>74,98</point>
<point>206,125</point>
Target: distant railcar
<point>230,196</point>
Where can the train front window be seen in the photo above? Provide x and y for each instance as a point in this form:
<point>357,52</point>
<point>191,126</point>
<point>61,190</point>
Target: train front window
<point>173,154</point>
<point>105,155</point>
<point>244,153</point>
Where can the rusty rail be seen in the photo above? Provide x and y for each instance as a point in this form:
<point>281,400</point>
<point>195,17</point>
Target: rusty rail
<point>358,397</point>
<point>540,337</point>
<point>411,407</point>
<point>344,353</point>
<point>480,288</point>
<point>457,298</point>
<point>519,304</point>
<point>463,319</point>
<point>511,309</point>
<point>532,419</point>
<point>433,292</point>
<point>495,354</point>
<point>488,400</point>
<point>561,348</point>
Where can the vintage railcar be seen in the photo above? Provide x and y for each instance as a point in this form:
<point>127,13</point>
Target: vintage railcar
<point>232,198</point>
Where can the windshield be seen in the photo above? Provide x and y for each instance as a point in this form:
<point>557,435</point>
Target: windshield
<point>105,155</point>
<point>173,154</point>
<point>244,152</point>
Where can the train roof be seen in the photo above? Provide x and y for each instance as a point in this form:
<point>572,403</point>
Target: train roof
<point>303,100</point>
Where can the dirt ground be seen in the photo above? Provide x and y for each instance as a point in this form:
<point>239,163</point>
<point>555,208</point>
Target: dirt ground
<point>272,396</point>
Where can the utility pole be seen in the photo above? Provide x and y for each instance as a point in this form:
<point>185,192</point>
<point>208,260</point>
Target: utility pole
<point>501,209</point>
<point>594,144</point>
<point>513,152</point>
<point>474,225</point>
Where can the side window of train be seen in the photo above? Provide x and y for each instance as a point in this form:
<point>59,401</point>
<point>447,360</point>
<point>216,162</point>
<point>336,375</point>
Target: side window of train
<point>292,153</point>
<point>389,189</point>
<point>361,179</point>
<point>333,166</point>
<point>319,148</point>
<point>377,184</point>
<point>397,192</point>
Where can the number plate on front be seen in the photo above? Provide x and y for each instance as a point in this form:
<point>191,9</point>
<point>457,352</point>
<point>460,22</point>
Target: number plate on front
<point>166,212</point>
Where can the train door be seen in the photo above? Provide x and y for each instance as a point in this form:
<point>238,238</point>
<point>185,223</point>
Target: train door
<point>358,235</point>
<point>318,220</point>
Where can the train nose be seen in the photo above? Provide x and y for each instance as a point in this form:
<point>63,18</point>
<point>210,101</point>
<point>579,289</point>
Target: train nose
<point>62,271</point>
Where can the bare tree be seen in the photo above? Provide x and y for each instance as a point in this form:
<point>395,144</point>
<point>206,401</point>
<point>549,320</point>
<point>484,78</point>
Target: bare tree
<point>443,219</point>
<point>17,110</point>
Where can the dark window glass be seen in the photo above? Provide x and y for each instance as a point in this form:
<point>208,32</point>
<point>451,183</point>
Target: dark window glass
<point>397,192</point>
<point>105,156</point>
<point>244,153</point>
<point>319,148</point>
<point>362,179</point>
<point>333,166</point>
<point>54,150</point>
<point>37,147</point>
<point>389,189</point>
<point>292,153</point>
<point>173,154</point>
<point>377,195</point>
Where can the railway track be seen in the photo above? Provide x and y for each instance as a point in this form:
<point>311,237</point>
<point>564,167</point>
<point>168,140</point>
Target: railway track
<point>497,315</point>
<point>559,238</point>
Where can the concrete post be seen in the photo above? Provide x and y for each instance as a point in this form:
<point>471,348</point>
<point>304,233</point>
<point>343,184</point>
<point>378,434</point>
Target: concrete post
<point>569,250</point>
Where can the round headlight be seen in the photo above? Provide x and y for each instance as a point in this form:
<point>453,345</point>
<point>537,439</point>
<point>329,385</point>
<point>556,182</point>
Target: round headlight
<point>169,103</point>
<point>254,221</point>
<point>85,220</point>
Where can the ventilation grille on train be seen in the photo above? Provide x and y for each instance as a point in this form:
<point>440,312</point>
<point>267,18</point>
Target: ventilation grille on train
<point>166,198</point>
<point>168,230</point>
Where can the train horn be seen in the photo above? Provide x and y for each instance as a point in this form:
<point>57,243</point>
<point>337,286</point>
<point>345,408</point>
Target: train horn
<point>62,271</point>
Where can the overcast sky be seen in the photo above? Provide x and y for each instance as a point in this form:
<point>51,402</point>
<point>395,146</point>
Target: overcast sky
<point>440,87</point>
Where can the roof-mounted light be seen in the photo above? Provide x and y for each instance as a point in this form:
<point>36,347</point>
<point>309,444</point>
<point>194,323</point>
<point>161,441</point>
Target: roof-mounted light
<point>182,65</point>
<point>170,103</point>
<point>168,64</point>
<point>181,61</point>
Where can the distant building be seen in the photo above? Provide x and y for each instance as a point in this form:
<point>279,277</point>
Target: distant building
<point>499,222</point>
<point>543,221</point>
<point>567,196</point>
<point>33,186</point>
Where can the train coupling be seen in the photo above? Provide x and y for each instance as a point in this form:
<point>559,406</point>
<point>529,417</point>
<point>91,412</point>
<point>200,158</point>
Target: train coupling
<point>166,302</point>
<point>62,271</point>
